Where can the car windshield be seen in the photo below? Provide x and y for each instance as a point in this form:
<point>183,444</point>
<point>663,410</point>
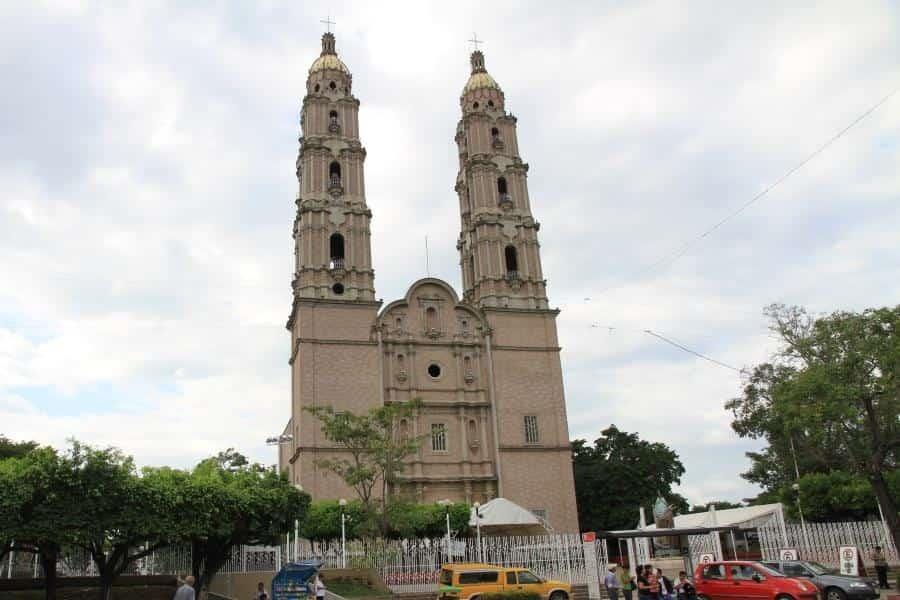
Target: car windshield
<point>818,569</point>
<point>767,571</point>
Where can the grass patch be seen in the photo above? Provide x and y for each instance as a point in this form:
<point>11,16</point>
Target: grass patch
<point>353,589</point>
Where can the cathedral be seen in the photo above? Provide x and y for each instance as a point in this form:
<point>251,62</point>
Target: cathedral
<point>485,366</point>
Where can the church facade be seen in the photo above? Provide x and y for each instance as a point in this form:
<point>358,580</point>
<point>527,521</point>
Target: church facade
<point>485,366</point>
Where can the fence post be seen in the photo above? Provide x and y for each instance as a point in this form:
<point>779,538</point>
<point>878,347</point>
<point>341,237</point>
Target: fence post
<point>590,564</point>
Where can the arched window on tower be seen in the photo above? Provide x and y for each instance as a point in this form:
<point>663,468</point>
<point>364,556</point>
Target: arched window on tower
<point>512,262</point>
<point>334,176</point>
<point>503,191</point>
<point>337,251</point>
<point>496,140</point>
<point>333,125</point>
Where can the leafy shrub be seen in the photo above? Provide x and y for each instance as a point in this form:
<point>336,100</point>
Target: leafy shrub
<point>514,595</point>
<point>404,520</point>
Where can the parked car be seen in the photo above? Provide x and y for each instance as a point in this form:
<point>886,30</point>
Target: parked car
<point>468,581</point>
<point>745,580</point>
<point>832,584</point>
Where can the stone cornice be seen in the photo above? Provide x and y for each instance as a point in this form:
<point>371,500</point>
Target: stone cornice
<point>552,311</point>
<point>528,348</point>
<point>298,300</point>
<point>535,448</point>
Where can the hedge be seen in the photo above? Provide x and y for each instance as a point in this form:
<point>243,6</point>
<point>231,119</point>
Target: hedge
<point>513,595</point>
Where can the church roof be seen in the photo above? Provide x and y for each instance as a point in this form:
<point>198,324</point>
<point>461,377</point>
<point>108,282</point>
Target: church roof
<point>480,78</point>
<point>329,58</point>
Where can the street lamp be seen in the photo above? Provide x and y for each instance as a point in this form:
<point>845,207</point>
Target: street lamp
<point>446,504</point>
<point>477,507</point>
<point>343,504</point>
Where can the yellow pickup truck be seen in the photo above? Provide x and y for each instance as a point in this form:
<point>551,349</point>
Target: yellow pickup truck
<point>469,581</point>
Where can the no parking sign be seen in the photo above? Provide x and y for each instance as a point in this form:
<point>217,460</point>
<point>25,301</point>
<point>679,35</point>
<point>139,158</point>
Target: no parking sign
<point>707,558</point>
<point>849,559</point>
<point>788,554</point>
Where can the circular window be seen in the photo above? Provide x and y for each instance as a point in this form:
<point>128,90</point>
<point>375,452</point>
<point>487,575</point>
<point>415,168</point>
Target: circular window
<point>475,105</point>
<point>332,85</point>
<point>434,370</point>
<point>491,103</point>
<point>338,288</point>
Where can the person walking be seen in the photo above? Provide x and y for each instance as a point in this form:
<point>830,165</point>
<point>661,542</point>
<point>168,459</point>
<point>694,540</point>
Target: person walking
<point>626,582</point>
<point>683,587</point>
<point>881,567</point>
<point>261,592</point>
<point>320,588</point>
<point>186,590</point>
<point>611,581</point>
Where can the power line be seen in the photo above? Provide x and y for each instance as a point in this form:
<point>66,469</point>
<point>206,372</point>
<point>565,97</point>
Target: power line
<point>683,249</point>
<point>689,351</point>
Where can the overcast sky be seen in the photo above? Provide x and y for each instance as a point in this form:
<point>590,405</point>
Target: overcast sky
<point>147,175</point>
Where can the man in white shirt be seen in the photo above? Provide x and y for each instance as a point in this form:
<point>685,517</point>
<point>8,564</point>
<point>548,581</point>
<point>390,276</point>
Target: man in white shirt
<point>611,581</point>
<point>186,591</point>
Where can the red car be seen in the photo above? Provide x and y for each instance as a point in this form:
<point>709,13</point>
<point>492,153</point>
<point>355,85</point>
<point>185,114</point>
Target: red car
<point>743,580</point>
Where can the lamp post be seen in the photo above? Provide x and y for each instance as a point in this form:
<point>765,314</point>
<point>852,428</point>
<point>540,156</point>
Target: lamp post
<point>343,503</point>
<point>446,504</point>
<point>477,507</point>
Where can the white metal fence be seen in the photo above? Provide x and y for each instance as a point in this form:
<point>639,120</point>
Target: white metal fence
<point>819,542</point>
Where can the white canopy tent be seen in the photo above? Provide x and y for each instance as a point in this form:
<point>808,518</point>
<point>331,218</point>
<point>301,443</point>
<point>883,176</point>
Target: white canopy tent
<point>503,517</point>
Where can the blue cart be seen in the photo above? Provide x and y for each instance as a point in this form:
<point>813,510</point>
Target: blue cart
<point>290,583</point>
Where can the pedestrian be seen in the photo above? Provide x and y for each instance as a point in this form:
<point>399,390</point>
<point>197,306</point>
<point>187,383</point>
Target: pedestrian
<point>626,582</point>
<point>186,590</point>
<point>611,581</point>
<point>665,585</point>
<point>261,592</point>
<point>684,588</point>
<point>881,567</point>
<point>320,588</point>
<point>648,588</point>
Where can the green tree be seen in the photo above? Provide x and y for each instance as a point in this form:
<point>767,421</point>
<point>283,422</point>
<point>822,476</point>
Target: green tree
<point>619,473</point>
<point>121,517</point>
<point>375,446</point>
<point>11,449</point>
<point>830,398</point>
<point>232,503</point>
<point>35,514</point>
<point>718,504</point>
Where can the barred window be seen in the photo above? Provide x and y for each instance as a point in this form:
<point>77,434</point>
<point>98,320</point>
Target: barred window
<point>531,429</point>
<point>438,437</point>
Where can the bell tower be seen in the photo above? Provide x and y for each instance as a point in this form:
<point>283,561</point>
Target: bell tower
<point>498,245</point>
<point>333,257</point>
<point>334,355</point>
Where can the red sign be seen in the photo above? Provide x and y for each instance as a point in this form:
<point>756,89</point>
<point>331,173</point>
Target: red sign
<point>588,536</point>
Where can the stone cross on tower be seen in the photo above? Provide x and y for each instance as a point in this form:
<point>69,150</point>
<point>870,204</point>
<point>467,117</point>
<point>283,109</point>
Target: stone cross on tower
<point>328,23</point>
<point>475,41</point>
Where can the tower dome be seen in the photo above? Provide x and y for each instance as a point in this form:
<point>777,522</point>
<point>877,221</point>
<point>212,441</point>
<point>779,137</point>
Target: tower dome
<point>328,60</point>
<point>480,78</point>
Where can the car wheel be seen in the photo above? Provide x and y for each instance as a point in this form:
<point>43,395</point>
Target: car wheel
<point>783,597</point>
<point>835,594</point>
<point>702,597</point>
<point>559,596</point>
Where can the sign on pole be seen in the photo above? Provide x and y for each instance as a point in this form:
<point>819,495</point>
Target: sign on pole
<point>707,558</point>
<point>788,554</point>
<point>588,537</point>
<point>849,559</point>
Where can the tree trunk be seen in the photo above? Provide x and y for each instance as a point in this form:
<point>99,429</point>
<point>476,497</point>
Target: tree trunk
<point>888,506</point>
<point>105,586</point>
<point>48,564</point>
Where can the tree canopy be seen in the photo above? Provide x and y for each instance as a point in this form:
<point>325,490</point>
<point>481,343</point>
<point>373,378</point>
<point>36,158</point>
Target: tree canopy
<point>828,400</point>
<point>619,473</point>
<point>95,499</point>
